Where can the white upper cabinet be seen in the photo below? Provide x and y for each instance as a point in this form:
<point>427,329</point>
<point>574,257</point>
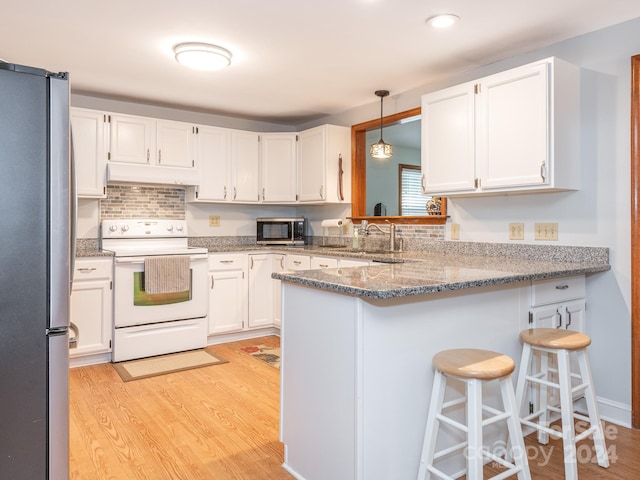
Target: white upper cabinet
<point>175,144</point>
<point>448,136</point>
<point>324,165</point>
<point>515,131</point>
<point>278,160</point>
<point>147,150</point>
<point>89,134</point>
<point>133,139</point>
<point>213,147</point>
<point>245,166</point>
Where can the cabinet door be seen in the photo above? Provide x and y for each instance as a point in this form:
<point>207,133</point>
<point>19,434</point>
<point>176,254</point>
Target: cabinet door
<point>278,160</point>
<point>260,290</point>
<point>347,262</point>
<point>323,262</point>
<point>90,313</point>
<point>213,147</point>
<point>132,139</point>
<point>245,162</point>
<point>311,165</point>
<point>175,144</point>
<point>277,266</point>
<point>227,300</point>
<point>89,134</point>
<point>448,136</point>
<point>512,119</point>
<point>566,315</point>
<point>297,262</point>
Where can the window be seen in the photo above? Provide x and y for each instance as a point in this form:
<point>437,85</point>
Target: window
<point>412,200</point>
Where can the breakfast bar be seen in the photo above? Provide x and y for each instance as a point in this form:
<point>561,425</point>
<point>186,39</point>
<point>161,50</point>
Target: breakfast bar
<point>357,345</point>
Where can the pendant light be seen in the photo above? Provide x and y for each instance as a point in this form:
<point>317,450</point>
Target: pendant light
<point>381,150</point>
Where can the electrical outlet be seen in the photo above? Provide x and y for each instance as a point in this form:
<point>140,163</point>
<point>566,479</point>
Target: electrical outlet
<point>516,231</point>
<point>546,231</point>
<point>214,220</point>
<point>455,231</point>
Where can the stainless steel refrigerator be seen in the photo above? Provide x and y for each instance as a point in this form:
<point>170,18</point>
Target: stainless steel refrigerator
<point>36,208</point>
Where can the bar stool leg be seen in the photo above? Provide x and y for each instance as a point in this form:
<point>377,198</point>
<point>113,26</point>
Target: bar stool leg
<point>474,425</point>
<point>543,437</point>
<point>566,405</point>
<point>433,424</point>
<point>522,377</point>
<point>592,409</point>
<point>518,450</point>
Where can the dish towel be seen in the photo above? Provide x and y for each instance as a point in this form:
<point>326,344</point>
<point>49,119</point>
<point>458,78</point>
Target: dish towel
<point>166,274</point>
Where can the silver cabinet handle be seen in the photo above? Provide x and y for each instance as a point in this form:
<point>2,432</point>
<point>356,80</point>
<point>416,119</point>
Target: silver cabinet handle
<point>212,282</point>
<point>148,155</point>
<point>559,313</point>
<point>159,156</point>
<point>226,261</point>
<point>263,194</point>
<point>422,183</point>
<point>323,265</point>
<point>321,190</point>
<point>568,324</point>
<point>297,262</point>
<point>543,171</point>
<point>225,192</point>
<point>282,262</point>
<point>564,286</point>
<point>86,269</point>
<point>251,263</point>
<point>235,192</point>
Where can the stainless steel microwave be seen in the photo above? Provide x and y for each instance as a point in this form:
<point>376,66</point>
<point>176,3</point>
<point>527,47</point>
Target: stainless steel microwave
<point>281,231</point>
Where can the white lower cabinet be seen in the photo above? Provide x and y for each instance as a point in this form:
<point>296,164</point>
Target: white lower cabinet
<point>278,262</point>
<point>323,262</point>
<point>228,291</point>
<point>297,262</point>
<point>558,303</point>
<point>91,307</point>
<point>261,298</point>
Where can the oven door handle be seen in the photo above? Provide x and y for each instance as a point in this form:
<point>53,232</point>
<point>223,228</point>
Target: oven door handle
<point>125,260</point>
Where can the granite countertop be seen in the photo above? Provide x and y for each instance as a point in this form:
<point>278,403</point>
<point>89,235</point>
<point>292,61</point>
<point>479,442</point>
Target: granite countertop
<point>423,273</point>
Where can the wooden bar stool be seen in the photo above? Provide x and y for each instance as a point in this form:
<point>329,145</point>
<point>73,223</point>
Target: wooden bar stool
<point>474,367</point>
<point>560,343</point>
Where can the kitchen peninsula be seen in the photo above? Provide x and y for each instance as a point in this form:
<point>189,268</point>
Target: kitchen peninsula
<point>357,344</point>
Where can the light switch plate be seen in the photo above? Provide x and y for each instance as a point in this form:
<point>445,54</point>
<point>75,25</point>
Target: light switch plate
<point>546,231</point>
<point>214,220</point>
<point>455,231</point>
<point>516,231</point>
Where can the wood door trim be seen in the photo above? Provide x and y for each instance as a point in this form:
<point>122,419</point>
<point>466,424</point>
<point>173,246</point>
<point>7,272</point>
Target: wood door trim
<point>635,241</point>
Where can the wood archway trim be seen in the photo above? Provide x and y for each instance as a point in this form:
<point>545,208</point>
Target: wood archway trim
<point>359,176</point>
<point>635,241</point>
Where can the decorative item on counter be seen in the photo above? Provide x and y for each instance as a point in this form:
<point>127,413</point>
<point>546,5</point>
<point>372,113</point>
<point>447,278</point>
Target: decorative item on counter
<point>434,206</point>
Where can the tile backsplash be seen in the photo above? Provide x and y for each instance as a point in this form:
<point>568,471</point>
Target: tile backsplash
<point>136,201</point>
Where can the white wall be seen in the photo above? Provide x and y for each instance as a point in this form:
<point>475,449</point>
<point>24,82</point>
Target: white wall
<point>596,215</point>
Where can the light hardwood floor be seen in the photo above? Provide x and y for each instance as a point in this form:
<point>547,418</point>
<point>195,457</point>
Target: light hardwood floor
<point>218,422</point>
<point>221,423</point>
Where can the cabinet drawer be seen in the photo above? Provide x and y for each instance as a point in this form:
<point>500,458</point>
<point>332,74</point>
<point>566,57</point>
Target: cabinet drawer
<point>231,261</point>
<point>555,290</point>
<point>89,269</point>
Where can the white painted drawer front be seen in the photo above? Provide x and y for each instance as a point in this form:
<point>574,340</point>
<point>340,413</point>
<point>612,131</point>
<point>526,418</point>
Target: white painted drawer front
<point>94,268</point>
<point>556,290</point>
<point>232,261</point>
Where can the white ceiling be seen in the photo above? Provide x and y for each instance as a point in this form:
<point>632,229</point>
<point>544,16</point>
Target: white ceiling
<point>294,61</point>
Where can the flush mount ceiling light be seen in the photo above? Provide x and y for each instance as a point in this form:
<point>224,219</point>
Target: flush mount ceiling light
<point>443,21</point>
<point>202,56</point>
<point>381,149</point>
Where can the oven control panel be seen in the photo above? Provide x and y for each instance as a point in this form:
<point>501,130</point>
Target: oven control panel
<point>144,228</point>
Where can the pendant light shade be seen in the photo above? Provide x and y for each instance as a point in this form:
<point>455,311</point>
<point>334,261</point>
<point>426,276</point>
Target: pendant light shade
<point>381,150</point>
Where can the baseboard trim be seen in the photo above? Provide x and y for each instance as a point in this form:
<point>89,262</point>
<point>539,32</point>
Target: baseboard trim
<point>244,335</point>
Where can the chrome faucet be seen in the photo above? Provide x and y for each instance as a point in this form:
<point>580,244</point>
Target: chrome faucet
<point>391,232</point>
